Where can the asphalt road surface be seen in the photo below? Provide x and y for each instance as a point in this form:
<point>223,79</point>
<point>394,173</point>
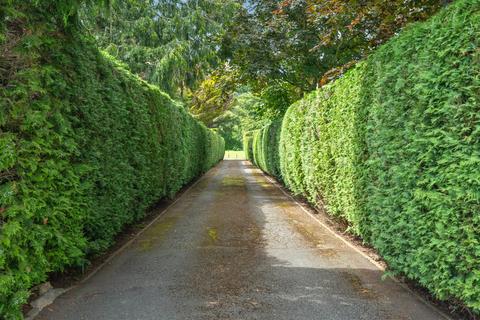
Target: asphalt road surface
<point>235,247</point>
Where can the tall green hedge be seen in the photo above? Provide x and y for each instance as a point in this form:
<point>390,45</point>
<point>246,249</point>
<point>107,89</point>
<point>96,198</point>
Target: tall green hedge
<point>393,147</point>
<point>423,142</point>
<point>290,152</point>
<point>264,146</point>
<point>86,147</point>
<point>248,145</point>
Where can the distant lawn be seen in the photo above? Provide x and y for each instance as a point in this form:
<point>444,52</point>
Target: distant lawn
<point>234,155</point>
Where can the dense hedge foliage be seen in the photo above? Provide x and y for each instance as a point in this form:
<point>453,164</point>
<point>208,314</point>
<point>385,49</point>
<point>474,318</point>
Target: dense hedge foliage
<point>248,145</point>
<point>423,142</point>
<point>265,143</point>
<point>86,147</point>
<point>321,146</point>
<point>393,147</point>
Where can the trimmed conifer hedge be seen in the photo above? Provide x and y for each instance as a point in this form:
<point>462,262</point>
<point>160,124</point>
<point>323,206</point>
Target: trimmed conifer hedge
<point>393,147</point>
<point>248,145</point>
<point>264,148</point>
<point>86,148</point>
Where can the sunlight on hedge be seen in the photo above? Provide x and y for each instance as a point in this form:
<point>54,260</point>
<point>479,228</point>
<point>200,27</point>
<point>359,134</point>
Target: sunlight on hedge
<point>393,148</point>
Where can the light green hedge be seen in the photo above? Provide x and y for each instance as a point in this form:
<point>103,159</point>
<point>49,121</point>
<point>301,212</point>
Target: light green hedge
<point>265,143</point>
<point>248,145</point>
<point>86,148</point>
<point>393,147</point>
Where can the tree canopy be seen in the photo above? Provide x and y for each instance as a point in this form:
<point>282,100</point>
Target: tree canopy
<point>208,53</point>
<point>301,41</point>
<point>170,43</point>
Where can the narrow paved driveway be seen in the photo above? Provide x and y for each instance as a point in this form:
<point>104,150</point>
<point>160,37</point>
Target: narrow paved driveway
<point>235,247</point>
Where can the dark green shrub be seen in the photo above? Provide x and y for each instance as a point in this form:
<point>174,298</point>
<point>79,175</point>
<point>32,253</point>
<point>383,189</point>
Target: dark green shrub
<point>86,147</point>
<point>393,147</point>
